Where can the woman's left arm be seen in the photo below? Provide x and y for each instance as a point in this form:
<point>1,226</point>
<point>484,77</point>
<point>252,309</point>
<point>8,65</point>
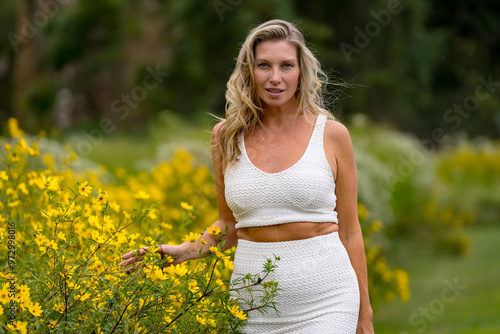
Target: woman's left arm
<point>340,153</point>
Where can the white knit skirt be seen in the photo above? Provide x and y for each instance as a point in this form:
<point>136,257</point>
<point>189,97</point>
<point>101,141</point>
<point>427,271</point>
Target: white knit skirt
<point>319,288</point>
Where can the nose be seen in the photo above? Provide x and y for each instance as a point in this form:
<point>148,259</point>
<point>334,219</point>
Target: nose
<point>275,77</point>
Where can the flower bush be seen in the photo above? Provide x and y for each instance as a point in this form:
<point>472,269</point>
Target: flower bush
<point>471,172</point>
<point>420,194</point>
<point>384,283</point>
<point>65,223</point>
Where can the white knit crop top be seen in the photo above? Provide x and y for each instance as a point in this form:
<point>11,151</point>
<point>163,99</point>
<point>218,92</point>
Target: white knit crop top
<point>302,192</point>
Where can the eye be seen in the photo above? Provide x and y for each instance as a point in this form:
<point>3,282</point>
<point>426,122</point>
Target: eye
<point>287,65</point>
<point>263,65</point>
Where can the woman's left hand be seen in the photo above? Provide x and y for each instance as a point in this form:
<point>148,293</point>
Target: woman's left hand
<point>365,323</point>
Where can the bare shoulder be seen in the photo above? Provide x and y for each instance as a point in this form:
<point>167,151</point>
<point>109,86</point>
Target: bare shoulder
<point>337,134</point>
<point>216,153</point>
<point>218,127</point>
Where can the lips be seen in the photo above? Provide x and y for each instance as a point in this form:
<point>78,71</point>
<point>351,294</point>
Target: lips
<point>274,91</point>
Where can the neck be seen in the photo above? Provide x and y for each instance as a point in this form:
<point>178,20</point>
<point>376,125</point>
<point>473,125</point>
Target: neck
<point>281,116</point>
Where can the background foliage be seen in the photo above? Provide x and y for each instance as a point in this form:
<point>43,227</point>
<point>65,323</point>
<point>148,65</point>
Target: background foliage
<point>124,84</point>
<point>416,59</point>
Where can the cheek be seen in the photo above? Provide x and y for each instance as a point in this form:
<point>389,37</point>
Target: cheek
<point>293,78</point>
<point>259,78</point>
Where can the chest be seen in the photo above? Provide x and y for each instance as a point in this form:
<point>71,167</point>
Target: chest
<point>278,152</point>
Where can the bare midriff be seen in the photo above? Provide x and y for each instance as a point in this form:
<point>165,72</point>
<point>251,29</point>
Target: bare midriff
<point>286,232</point>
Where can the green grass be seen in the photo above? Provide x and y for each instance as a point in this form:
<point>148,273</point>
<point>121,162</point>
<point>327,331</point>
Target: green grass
<point>474,309</point>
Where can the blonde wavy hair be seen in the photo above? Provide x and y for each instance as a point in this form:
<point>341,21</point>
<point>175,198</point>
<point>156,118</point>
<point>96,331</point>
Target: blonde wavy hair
<point>243,105</point>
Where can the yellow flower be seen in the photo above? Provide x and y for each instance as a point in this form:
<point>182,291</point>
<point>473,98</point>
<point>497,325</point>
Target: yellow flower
<point>98,237</point>
<point>121,238</point>
<point>52,324</point>
<point>362,212</point>
<point>108,223</point>
<point>213,230</point>
<point>114,206</point>
<point>201,320</point>
<point>218,253</point>
<point>152,213</point>
<point>203,242</point>
<point>51,244</point>
<point>1,309</point>
<point>59,307</point>
<point>155,274</point>
<point>4,296</point>
<point>150,241</point>
<point>102,196</point>
<point>228,264</point>
<point>37,227</point>
<point>141,195</point>
<point>211,323</point>
<point>3,175</point>
<point>13,204</point>
<point>61,236</point>
<point>22,188</point>
<point>168,258</point>
<point>166,226</point>
<point>98,266</point>
<point>6,147</point>
<point>14,128</point>
<point>193,286</point>
<point>191,237</point>
<point>237,313</point>
<point>23,144</point>
<point>82,297</point>
<point>186,206</point>
<point>43,249</point>
<point>74,286</point>
<point>24,290</point>
<point>19,326</point>
<point>32,151</point>
<point>178,269</point>
<point>376,225</point>
<point>48,182</point>
<point>35,309</point>
<point>84,188</point>
<point>94,221</point>
<point>176,299</point>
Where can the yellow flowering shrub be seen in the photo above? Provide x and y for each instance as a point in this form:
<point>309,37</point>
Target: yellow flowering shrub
<point>471,172</point>
<point>64,229</point>
<point>65,222</point>
<point>384,283</point>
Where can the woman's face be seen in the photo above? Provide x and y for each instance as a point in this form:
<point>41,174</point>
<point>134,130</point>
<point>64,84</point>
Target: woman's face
<point>276,71</point>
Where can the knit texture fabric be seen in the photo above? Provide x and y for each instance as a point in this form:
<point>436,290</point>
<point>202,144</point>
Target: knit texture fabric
<point>302,192</point>
<point>319,288</point>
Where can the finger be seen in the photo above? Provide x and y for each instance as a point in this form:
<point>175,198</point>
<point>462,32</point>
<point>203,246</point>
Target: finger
<point>130,261</point>
<point>139,266</point>
<point>129,254</point>
<point>133,256</point>
<point>132,267</point>
<point>136,252</point>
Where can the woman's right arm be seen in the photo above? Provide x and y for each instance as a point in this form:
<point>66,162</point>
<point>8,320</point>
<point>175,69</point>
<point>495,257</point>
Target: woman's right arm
<point>188,250</point>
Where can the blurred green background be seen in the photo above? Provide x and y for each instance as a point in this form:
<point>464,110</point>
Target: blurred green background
<point>127,82</point>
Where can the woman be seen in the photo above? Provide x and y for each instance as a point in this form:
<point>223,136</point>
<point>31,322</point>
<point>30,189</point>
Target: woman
<point>286,184</point>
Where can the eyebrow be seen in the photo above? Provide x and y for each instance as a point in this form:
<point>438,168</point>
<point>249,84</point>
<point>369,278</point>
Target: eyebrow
<point>283,61</point>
